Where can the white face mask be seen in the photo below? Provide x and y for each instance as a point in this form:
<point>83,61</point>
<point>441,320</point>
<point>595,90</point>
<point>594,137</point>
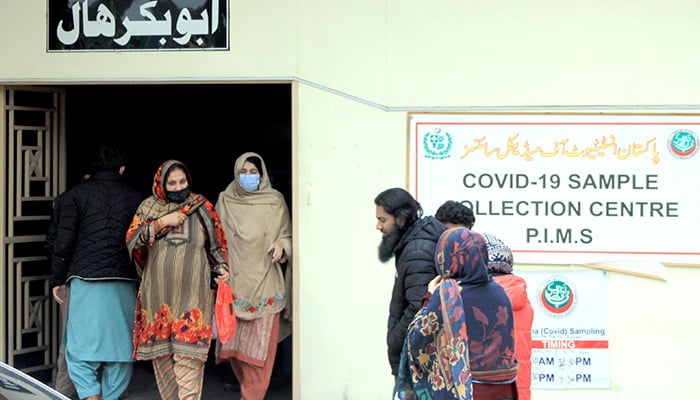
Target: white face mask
<point>249,183</point>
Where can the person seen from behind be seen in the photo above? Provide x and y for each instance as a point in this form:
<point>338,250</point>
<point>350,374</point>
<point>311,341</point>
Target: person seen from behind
<point>454,214</point>
<point>179,248</point>
<point>460,345</point>
<point>256,215</point>
<point>411,239</point>
<point>500,267</point>
<point>89,256</point>
<point>62,382</point>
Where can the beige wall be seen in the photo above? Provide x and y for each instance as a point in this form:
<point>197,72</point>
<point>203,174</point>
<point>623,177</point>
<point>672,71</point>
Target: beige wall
<point>359,66</point>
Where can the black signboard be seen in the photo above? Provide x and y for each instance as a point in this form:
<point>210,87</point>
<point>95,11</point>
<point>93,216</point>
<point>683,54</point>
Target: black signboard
<point>94,25</point>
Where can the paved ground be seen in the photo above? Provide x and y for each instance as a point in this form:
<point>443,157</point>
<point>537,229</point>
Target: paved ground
<point>219,383</point>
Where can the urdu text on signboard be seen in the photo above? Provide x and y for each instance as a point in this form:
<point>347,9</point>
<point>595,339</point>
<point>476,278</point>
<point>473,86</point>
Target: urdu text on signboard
<point>566,189</point>
<point>108,25</point>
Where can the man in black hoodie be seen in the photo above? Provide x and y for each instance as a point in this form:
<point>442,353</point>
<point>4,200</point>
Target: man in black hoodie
<point>89,254</point>
<point>411,239</point>
<point>62,383</point>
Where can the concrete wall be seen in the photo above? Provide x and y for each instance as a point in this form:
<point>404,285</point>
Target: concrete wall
<point>358,68</point>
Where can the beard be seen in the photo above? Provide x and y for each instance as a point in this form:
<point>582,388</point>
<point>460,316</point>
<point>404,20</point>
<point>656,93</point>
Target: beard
<point>388,244</point>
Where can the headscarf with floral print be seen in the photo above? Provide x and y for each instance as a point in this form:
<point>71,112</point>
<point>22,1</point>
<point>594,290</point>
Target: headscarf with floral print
<point>448,345</point>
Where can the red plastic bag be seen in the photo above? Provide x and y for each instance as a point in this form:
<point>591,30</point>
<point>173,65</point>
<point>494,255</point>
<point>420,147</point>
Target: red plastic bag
<point>225,312</point>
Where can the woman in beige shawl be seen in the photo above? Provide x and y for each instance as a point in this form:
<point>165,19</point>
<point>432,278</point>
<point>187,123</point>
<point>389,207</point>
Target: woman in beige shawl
<point>256,221</point>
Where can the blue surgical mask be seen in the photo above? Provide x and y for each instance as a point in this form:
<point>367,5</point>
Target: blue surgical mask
<point>249,183</point>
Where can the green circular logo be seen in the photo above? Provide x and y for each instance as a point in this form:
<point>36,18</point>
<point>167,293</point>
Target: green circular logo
<point>557,297</point>
<point>683,143</point>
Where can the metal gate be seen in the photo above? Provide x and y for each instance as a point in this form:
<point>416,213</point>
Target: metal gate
<point>32,152</point>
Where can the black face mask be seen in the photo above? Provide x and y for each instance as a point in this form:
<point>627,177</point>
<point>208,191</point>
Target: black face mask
<point>179,196</point>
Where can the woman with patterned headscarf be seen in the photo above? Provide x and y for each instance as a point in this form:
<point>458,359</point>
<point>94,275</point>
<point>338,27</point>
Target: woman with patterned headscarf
<point>256,218</point>
<point>501,269</point>
<point>460,344</point>
<point>177,244</point>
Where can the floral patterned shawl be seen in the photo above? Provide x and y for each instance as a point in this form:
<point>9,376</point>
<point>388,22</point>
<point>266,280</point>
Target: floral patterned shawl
<point>175,304</point>
<point>465,333</point>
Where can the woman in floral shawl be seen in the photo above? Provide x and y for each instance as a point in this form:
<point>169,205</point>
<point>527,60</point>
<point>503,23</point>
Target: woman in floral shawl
<point>256,218</point>
<point>460,344</point>
<point>176,240</point>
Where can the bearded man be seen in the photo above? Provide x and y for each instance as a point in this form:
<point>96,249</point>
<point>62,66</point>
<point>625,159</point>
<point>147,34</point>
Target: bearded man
<point>411,239</point>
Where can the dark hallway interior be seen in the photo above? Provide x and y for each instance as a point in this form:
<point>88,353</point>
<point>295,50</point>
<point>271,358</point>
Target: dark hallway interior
<point>206,126</point>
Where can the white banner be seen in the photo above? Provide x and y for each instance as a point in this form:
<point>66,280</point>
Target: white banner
<point>566,189</point>
<point>570,329</point>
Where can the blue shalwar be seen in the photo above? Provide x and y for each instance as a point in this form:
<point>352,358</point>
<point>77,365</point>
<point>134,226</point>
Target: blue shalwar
<point>99,333</point>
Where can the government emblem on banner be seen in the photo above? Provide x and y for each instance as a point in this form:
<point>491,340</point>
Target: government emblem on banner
<point>437,144</point>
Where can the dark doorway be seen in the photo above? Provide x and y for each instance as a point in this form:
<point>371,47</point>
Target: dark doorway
<point>206,126</point>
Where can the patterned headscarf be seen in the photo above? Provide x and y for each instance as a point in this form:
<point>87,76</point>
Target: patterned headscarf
<point>465,332</point>
<point>159,179</point>
<point>500,255</point>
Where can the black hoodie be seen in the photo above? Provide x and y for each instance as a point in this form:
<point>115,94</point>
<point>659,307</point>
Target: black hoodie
<point>415,268</point>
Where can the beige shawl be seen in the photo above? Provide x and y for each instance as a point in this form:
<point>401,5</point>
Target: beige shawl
<point>252,222</point>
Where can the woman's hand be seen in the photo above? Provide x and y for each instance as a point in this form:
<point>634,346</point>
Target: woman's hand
<point>276,251</point>
<point>434,284</point>
<point>175,218</point>
<point>223,275</point>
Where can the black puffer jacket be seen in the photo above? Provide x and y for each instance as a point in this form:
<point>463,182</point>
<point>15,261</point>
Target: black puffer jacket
<point>415,268</point>
<point>90,241</point>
